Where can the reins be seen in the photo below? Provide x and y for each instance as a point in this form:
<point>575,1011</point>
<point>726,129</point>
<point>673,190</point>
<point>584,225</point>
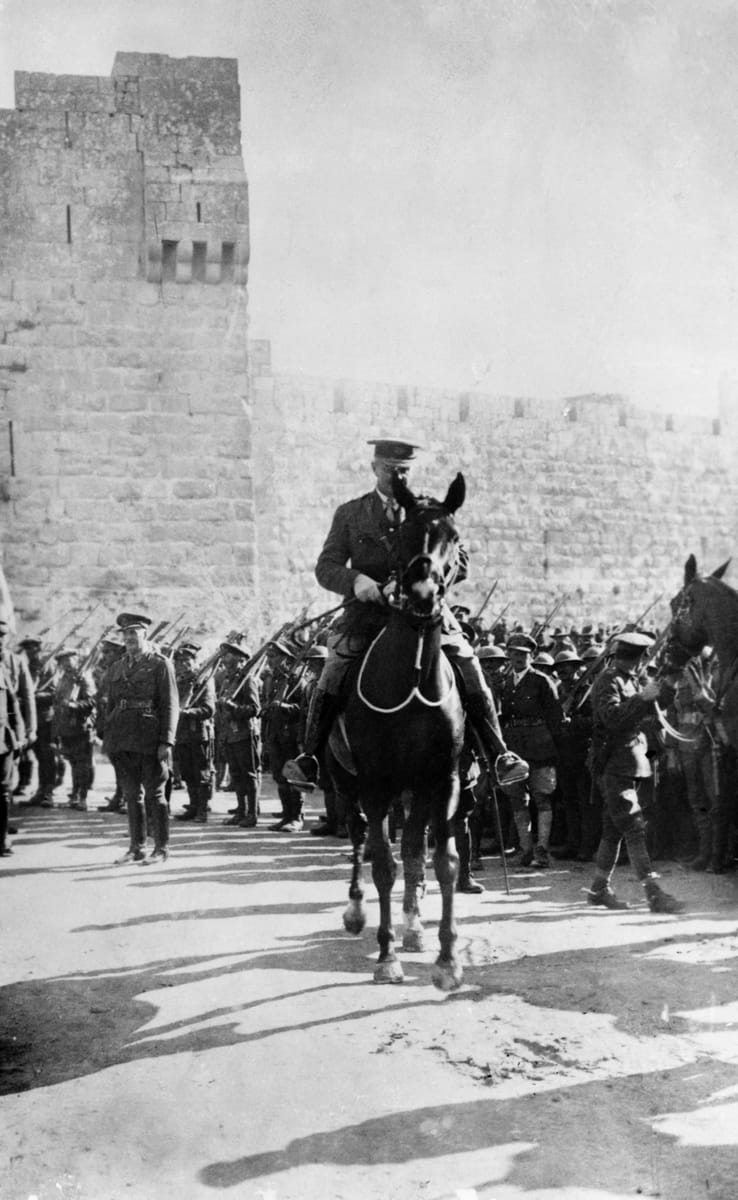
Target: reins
<point>415,693</point>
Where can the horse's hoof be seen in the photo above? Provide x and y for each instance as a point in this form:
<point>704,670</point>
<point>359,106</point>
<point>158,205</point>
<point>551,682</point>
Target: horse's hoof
<point>413,941</point>
<point>447,977</point>
<point>354,920</point>
<point>389,972</point>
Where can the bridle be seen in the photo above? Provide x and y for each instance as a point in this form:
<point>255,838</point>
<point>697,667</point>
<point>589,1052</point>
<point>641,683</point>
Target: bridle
<point>427,563</point>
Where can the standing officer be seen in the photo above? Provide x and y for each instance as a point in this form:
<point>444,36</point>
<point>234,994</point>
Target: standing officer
<point>356,561</point>
<point>532,721</point>
<point>140,724</point>
<point>621,712</point>
<point>74,723</point>
<point>239,707</point>
<point>111,651</point>
<point>193,744</point>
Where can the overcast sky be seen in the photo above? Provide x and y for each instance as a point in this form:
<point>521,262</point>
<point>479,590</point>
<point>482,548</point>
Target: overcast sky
<point>535,197</point>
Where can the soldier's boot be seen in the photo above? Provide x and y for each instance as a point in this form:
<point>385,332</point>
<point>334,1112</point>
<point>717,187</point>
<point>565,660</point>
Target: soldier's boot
<point>204,796</point>
<point>540,853</point>
<point>296,822</point>
<point>660,901</point>
<point>465,881</point>
<point>189,812</point>
<point>701,860</point>
<point>284,792</point>
<point>524,856</point>
<point>249,820</point>
<point>302,772</point>
<point>82,800</point>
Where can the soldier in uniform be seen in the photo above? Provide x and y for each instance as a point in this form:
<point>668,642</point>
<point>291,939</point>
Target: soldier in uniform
<point>282,700</point>
<point>74,723</point>
<point>356,561</point>
<point>532,721</point>
<point>239,708</point>
<point>193,744</point>
<point>43,682</point>
<point>111,651</point>
<point>622,711</point>
<point>12,733</point>
<point>30,649</point>
<point>140,723</point>
<point>573,775</point>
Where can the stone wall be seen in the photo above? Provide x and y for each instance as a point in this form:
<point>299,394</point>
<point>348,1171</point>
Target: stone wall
<point>587,498</point>
<point>125,443</point>
<point>144,461</point>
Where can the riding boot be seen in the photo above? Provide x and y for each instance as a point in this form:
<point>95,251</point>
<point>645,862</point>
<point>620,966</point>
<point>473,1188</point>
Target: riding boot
<point>701,860</point>
<point>302,772</point>
<point>540,854</point>
<point>482,713</point>
<point>465,882</point>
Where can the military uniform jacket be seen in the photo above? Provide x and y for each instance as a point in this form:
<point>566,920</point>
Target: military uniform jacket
<point>531,717</point>
<point>240,723</point>
<point>21,681</point>
<point>619,715</point>
<point>78,721</point>
<point>361,542</point>
<point>196,713</point>
<point>12,729</point>
<point>142,704</point>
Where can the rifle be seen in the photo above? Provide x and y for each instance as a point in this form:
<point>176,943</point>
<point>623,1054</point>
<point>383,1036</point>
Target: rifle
<point>165,627</point>
<point>487,599</point>
<point>287,630</point>
<point>89,658</point>
<point>499,616</point>
<point>539,626</point>
<point>72,633</point>
<point>588,675</point>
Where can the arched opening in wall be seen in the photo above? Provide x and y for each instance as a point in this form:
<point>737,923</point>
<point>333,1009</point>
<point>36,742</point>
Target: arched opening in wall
<point>168,261</point>
<point>199,261</point>
<point>227,262</point>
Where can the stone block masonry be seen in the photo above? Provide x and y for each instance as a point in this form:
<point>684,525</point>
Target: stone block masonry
<point>125,443</point>
<point>588,498</point>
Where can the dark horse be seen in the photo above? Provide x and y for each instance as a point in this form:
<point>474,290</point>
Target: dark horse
<point>404,724</point>
<point>705,613</point>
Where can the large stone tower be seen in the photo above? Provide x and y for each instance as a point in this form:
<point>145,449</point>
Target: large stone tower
<point>125,418</point>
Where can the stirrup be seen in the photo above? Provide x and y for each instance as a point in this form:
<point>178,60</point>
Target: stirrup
<point>298,771</point>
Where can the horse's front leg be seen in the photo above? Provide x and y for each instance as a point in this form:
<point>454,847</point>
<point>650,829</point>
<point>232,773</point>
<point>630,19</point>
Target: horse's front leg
<point>384,872</point>
<point>414,848</point>
<point>447,971</point>
<point>354,917</point>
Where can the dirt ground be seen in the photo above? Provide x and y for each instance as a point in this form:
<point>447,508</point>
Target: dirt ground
<point>207,1027</point>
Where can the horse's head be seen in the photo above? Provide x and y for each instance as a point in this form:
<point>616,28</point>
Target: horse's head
<point>689,610</point>
<point>427,548</point>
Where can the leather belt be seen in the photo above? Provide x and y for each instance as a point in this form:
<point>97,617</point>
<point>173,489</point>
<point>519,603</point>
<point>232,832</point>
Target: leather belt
<point>525,722</point>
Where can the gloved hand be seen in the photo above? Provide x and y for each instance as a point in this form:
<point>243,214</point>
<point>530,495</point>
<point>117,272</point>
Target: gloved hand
<point>366,590</point>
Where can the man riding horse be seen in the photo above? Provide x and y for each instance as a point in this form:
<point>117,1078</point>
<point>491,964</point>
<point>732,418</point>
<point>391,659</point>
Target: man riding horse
<point>357,560</point>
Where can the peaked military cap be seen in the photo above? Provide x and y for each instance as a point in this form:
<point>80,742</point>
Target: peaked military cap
<point>566,656</point>
<point>188,648</point>
<point>632,640</point>
<point>393,451</point>
<point>30,640</point>
<point>493,652</point>
<point>235,648</point>
<point>522,641</point>
<point>126,620</point>
<point>67,652</point>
